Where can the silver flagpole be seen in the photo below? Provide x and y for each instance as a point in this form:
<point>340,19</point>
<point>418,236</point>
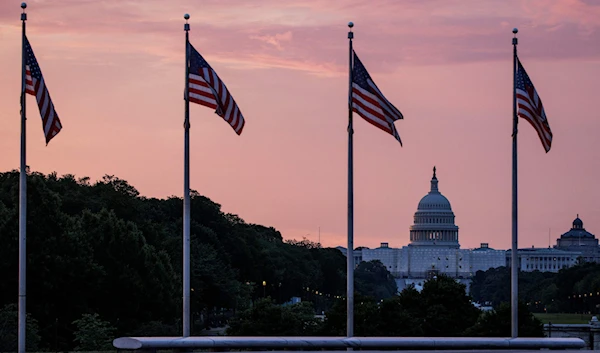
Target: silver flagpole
<point>514,274</point>
<point>186,190</point>
<point>350,251</point>
<point>22,204</point>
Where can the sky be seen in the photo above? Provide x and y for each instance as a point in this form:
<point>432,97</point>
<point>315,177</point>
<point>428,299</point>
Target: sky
<point>115,72</point>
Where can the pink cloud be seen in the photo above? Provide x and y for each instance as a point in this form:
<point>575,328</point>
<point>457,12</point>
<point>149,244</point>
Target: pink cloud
<point>275,40</point>
<point>115,71</point>
<point>313,33</point>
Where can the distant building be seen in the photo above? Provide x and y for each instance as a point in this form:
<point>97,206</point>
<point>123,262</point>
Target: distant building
<point>357,254</point>
<point>543,259</point>
<point>434,248</point>
<point>572,246</point>
<point>579,240</point>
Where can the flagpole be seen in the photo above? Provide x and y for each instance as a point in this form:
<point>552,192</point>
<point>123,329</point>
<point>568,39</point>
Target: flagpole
<point>350,251</point>
<point>514,278</point>
<point>186,191</point>
<point>22,203</point>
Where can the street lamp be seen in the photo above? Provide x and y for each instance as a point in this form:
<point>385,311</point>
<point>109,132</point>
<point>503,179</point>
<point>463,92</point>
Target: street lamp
<point>264,289</point>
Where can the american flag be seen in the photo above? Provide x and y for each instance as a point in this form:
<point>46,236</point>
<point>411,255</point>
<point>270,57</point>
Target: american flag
<point>206,88</point>
<point>369,102</point>
<point>35,85</point>
<point>530,107</point>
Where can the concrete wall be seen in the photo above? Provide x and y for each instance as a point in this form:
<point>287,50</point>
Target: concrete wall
<point>590,333</point>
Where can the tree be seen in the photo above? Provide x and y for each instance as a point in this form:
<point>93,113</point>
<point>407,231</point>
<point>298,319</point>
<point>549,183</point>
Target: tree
<point>266,318</point>
<point>92,333</point>
<point>492,286</point>
<point>154,329</point>
<point>366,317</point>
<point>497,323</point>
<point>448,310</point>
<point>9,330</point>
<point>305,243</point>
<point>100,247</point>
<point>374,280</point>
<point>402,315</point>
<point>141,279</point>
<point>574,283</point>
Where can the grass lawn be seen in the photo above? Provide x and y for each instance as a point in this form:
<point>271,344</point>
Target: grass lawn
<point>564,318</point>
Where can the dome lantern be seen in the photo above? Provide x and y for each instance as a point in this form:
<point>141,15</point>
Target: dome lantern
<point>577,223</point>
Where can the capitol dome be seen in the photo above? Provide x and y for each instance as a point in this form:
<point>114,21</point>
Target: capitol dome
<point>434,220</point>
<point>434,200</point>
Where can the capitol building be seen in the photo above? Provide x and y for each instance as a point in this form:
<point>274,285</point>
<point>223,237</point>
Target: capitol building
<point>434,248</point>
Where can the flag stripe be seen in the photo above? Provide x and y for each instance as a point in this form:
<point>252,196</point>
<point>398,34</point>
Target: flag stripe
<point>206,88</point>
<point>530,106</point>
<point>36,86</point>
<point>531,110</point>
<point>368,101</point>
<point>371,119</point>
<point>385,104</point>
<point>366,97</point>
<point>528,114</point>
<point>365,100</point>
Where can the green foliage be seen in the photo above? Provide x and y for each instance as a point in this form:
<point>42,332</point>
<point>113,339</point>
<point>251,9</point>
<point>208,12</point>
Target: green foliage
<point>571,290</point>
<point>444,301</point>
<point>9,315</point>
<point>579,288</point>
<point>497,323</point>
<point>266,318</point>
<point>374,280</point>
<point>373,283</point>
<point>366,317</point>
<point>100,247</point>
<point>305,243</point>
<point>563,318</point>
<point>442,308</point>
<point>154,329</point>
<point>402,315</point>
<point>491,286</point>
<point>92,333</point>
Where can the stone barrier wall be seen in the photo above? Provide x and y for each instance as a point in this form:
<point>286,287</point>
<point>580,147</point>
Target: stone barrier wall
<point>590,333</point>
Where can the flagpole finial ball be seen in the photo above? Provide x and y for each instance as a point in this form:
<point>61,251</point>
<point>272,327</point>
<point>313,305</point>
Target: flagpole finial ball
<point>350,24</point>
<point>23,5</point>
<point>186,16</point>
<point>515,30</point>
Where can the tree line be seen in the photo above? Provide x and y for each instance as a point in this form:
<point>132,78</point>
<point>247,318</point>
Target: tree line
<point>571,290</point>
<point>441,309</point>
<point>104,261</point>
<point>101,248</point>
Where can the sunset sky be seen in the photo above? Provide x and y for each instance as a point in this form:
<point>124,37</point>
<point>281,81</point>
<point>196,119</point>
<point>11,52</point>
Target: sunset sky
<point>115,72</point>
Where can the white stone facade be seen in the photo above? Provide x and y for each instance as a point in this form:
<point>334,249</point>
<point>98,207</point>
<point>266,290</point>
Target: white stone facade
<point>544,259</point>
<point>434,248</point>
<point>422,262</point>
